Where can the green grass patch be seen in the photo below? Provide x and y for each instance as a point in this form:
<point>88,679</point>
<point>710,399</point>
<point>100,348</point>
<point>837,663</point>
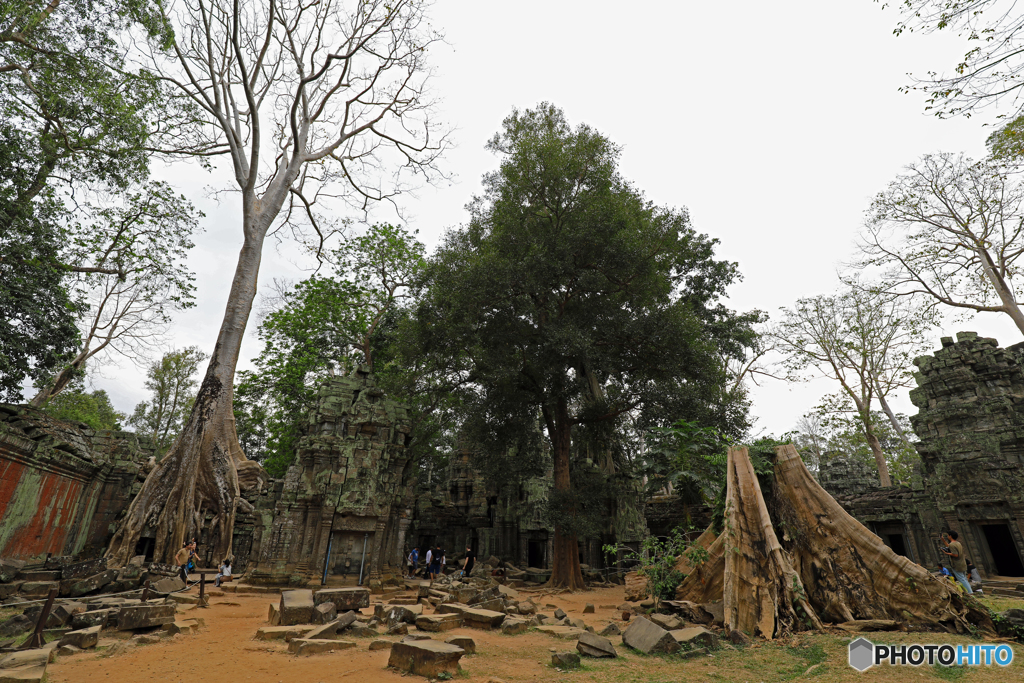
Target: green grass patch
<point>949,673</point>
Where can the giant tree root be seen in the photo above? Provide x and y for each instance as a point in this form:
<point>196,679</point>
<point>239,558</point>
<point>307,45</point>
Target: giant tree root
<point>826,567</point>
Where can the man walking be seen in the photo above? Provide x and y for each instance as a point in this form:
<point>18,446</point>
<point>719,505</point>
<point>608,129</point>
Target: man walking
<point>414,559</point>
<point>428,566</point>
<point>181,558</point>
<point>467,566</point>
<point>958,561</point>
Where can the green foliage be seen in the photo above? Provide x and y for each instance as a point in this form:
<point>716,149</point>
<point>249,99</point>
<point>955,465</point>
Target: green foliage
<point>93,408</point>
<point>323,326</point>
<point>655,560</point>
<point>173,385</point>
<point>572,302</point>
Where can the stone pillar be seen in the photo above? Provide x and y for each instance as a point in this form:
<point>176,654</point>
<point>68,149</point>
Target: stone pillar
<point>377,555</point>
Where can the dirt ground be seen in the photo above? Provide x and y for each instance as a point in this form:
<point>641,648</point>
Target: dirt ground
<point>224,651</point>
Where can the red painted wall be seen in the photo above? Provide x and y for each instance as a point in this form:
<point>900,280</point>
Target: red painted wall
<point>37,510</point>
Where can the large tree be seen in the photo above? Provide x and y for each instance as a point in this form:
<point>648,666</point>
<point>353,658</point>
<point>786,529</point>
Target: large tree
<point>305,101</point>
<point>73,117</point>
<point>571,300</point>
<point>172,385</point>
<point>862,339</point>
<point>949,232</point>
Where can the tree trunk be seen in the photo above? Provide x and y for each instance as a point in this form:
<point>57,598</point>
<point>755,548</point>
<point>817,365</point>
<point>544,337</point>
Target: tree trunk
<point>892,417</point>
<point>565,566</point>
<point>200,472</point>
<point>1003,291</point>
<point>826,567</point>
<point>60,382</point>
<point>876,448</point>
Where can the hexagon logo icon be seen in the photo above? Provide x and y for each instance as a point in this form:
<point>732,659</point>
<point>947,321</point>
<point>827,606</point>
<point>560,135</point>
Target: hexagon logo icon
<point>862,654</point>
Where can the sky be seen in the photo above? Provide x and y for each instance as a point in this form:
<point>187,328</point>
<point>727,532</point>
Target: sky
<point>772,123</point>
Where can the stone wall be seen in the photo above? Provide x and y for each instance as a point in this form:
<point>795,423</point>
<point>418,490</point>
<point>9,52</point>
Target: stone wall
<point>62,485</point>
<point>970,423</point>
<point>349,484</point>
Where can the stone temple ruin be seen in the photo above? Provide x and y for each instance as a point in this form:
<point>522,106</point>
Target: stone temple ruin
<point>353,502</point>
<point>970,422</point>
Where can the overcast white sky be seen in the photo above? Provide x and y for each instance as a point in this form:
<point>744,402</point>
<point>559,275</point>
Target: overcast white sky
<point>774,124</point>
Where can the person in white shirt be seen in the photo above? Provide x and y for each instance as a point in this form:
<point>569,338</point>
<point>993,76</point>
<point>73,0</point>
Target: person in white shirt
<point>225,570</point>
<point>430,557</point>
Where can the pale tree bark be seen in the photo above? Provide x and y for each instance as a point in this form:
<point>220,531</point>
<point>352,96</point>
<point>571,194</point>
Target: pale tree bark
<point>565,565</point>
<point>826,568</point>
<point>305,100</point>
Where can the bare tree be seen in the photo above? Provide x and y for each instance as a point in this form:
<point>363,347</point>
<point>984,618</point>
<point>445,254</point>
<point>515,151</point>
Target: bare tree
<point>992,69</point>
<point>862,339</point>
<point>172,383</point>
<point>308,101</point>
<point>950,230</point>
<point>130,255</point>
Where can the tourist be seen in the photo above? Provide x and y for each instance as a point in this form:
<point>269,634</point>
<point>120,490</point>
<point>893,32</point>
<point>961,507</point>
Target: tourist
<point>427,566</point>
<point>972,571</point>
<point>958,561</point>
<point>225,570</point>
<point>181,559</point>
<point>444,561</point>
<point>435,566</point>
<point>414,559</point>
<point>467,566</point>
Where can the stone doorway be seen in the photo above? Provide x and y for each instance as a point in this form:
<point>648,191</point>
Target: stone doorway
<point>1002,550</point>
<point>535,554</point>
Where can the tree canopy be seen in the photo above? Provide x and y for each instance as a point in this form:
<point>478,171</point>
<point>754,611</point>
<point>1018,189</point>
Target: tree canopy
<point>571,301</point>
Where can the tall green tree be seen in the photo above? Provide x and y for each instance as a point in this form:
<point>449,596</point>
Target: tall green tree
<point>91,407</point>
<point>172,384</point>
<point>74,116</point>
<point>571,299</point>
<point>325,325</point>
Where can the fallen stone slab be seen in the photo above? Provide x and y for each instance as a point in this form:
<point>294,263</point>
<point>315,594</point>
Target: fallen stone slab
<point>667,621</point>
<point>274,614</point>
<point>451,608</point>
<point>22,658</point>
<point>399,614</point>
<point>132,617</point>
<point>514,627</point>
<point>362,630</point>
<point>26,674</point>
<point>482,618</point>
<point>186,626</point>
<point>399,630</point>
<point>325,613</point>
<point>416,636</point>
<point>465,642</point>
<point>93,583</point>
<point>565,660</point>
<point>38,589</point>
<point>561,632</point>
<point>426,657</point>
<point>285,633</point>
<point>588,608</point>
<point>83,639</point>
<point>344,599</point>
<point>611,629</point>
<point>65,611</point>
<point>331,630</point>
<point>307,646</point>
<point>380,644</point>
<point>863,625</point>
<point>716,610</point>
<point>560,613</point>
<point>649,638</point>
<point>591,645</point>
<point>16,625</point>
<point>438,622</point>
<point>183,599</point>
<point>67,650</point>
<point>296,607</point>
<point>696,636</point>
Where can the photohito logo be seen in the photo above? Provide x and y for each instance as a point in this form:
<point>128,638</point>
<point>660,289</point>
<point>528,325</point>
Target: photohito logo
<point>864,654</point>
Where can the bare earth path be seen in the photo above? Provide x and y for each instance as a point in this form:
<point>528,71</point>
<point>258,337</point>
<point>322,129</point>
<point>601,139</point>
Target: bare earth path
<point>225,652</point>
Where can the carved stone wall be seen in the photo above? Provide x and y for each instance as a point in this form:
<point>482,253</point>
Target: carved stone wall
<point>62,485</point>
<point>347,487</point>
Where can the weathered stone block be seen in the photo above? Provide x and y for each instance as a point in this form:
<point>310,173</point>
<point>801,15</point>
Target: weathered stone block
<point>561,632</point>
<point>380,644</point>
<point>24,658</point>
<point>565,660</point>
<point>425,657</point>
<point>696,636</point>
<point>186,626</point>
<point>438,622</point>
<point>514,627</point>
<point>324,613</point>
<point>93,583</point>
<point>465,642</point>
<point>38,589</point>
<point>591,645</point>
<point>667,621</point>
<point>306,646</point>
<point>482,618</point>
<point>94,618</point>
<point>296,607</point>
<point>649,638</point>
<point>285,633</point>
<point>83,639</point>
<point>274,614</point>
<point>168,585</point>
<point>144,616</point>
<point>344,599</point>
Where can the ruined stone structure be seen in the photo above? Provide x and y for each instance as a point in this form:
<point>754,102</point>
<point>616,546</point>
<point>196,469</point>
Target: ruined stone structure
<point>970,398</point>
<point>349,488</point>
<point>62,486</point>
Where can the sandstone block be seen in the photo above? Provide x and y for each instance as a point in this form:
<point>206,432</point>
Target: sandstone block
<point>93,583</point>
<point>94,618</point>
<point>560,613</point>
<point>144,616</point>
<point>451,608</point>
<point>588,609</point>
<point>565,660</point>
<point>67,650</point>
<point>561,632</point>
<point>647,637</point>
<point>296,607</point>
<point>324,613</point>
<point>697,636</point>
<point>595,646</point>
<point>306,646</point>
<point>465,642</point>
<point>667,621</point>
<point>274,615</point>
<point>285,633</point>
<point>380,644</point>
<point>482,618</point>
<point>186,626</point>
<point>26,674</point>
<point>611,629</point>
<point>513,627</point>
<point>330,630</point>
<point>168,585</point>
<point>425,657</point>
<point>344,599</point>
<point>435,623</point>
<point>64,611</point>
<point>25,658</point>
<point>38,589</point>
<point>83,639</point>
